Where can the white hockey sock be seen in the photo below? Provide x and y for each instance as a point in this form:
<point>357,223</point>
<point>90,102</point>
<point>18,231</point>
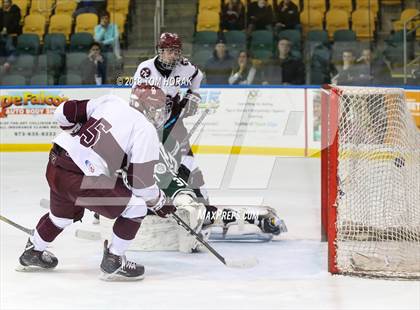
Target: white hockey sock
<point>38,242</point>
<point>118,246</point>
<point>59,221</point>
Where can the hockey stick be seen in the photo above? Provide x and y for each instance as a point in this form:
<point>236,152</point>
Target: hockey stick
<point>16,225</point>
<point>194,128</point>
<point>246,263</point>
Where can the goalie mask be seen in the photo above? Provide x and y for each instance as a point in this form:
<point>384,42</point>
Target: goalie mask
<point>169,50</point>
<point>151,101</point>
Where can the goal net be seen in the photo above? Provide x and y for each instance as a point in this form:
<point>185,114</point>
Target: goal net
<point>370,182</point>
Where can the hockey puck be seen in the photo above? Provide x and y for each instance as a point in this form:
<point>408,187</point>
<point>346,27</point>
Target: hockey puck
<point>399,162</point>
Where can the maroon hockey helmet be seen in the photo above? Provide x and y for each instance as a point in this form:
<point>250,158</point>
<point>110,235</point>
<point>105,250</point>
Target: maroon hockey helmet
<point>151,101</point>
<point>169,50</point>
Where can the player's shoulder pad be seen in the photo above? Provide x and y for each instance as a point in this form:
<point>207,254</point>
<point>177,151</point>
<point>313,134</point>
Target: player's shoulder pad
<point>106,99</point>
<point>187,64</point>
<point>145,68</point>
<point>188,67</point>
<point>144,125</point>
<point>147,62</point>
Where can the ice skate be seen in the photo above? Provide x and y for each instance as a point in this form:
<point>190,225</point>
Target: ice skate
<point>32,260</point>
<point>118,268</point>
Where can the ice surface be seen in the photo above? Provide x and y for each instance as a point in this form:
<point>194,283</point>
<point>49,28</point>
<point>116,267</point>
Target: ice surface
<point>291,273</point>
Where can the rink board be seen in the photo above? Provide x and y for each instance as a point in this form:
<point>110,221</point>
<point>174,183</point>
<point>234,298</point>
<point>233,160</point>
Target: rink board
<point>270,121</point>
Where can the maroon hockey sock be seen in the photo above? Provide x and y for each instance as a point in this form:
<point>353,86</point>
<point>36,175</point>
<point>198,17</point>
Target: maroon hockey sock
<point>46,229</point>
<point>125,228</point>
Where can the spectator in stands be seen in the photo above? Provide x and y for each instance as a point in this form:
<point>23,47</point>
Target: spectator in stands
<point>7,53</point>
<point>219,66</point>
<point>322,70</point>
<point>372,70</point>
<point>244,71</point>
<point>107,34</point>
<point>233,15</point>
<point>260,16</point>
<point>349,74</point>
<point>284,69</point>
<point>287,15</point>
<point>93,68</point>
<point>9,18</point>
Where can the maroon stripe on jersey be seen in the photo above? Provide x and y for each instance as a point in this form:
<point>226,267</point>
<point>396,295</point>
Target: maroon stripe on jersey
<point>126,228</point>
<point>195,74</point>
<point>75,111</point>
<point>67,127</point>
<point>46,229</point>
<point>141,175</point>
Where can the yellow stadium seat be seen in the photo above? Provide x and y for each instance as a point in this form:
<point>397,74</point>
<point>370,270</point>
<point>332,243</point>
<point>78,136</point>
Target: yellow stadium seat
<point>42,7</point>
<point>86,22</point>
<point>119,19</point>
<point>318,5</point>
<point>406,15</point>
<point>61,23</point>
<point>209,5</point>
<point>363,23</point>
<point>311,20</point>
<point>368,4</point>
<point>345,5</point>
<point>208,21</point>
<point>65,7</point>
<point>336,20</point>
<point>34,23</point>
<point>118,6</point>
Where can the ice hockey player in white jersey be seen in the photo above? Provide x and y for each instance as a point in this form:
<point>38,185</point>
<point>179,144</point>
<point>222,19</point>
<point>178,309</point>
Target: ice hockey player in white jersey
<point>169,71</point>
<point>102,136</point>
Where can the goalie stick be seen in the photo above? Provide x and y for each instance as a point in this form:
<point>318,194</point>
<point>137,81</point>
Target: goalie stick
<point>16,225</point>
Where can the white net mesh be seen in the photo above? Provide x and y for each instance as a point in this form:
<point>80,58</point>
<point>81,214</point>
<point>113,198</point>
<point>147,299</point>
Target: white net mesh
<point>378,203</point>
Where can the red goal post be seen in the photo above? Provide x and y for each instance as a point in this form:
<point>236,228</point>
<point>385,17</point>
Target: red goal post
<point>370,182</point>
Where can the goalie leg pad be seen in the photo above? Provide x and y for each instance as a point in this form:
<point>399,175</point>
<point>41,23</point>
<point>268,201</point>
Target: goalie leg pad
<point>236,223</point>
<point>193,215</point>
<point>164,234</point>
